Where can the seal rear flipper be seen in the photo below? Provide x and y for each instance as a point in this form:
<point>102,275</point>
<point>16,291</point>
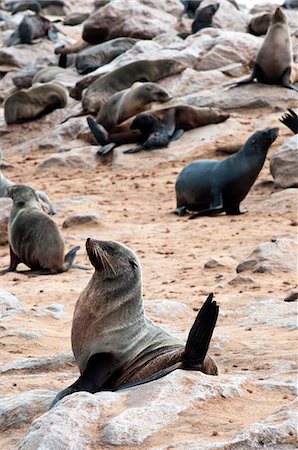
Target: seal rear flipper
<point>170,121</point>
<point>53,35</point>
<point>177,134</point>
<point>290,120</point>
<point>285,80</point>
<point>99,369</point>
<point>200,335</point>
<point>247,80</point>
<point>69,257</point>
<point>106,149</point>
<point>98,131</point>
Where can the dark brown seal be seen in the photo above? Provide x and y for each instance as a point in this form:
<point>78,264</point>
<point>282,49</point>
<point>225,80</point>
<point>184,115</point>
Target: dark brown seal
<point>31,103</point>
<point>203,17</point>
<point>211,186</point>
<point>100,89</point>
<point>181,117</point>
<point>260,23</point>
<point>290,120</point>
<point>34,238</point>
<point>274,59</point>
<point>34,27</point>
<point>115,345</point>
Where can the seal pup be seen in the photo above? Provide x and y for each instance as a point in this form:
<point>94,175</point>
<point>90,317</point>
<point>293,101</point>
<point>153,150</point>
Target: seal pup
<point>34,27</point>
<point>34,238</point>
<point>290,120</point>
<point>115,345</point>
<point>129,102</point>
<point>27,104</point>
<point>260,23</point>
<point>203,17</point>
<point>98,92</point>
<point>185,117</point>
<point>274,58</point>
<point>5,183</point>
<point>211,186</point>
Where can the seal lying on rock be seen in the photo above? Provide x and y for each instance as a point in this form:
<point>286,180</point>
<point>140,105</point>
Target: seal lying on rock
<point>114,343</point>
<point>211,186</point>
<point>274,58</point>
<point>31,103</point>
<point>182,117</point>
<point>34,238</point>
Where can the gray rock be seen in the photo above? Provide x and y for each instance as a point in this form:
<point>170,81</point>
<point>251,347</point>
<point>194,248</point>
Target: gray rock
<point>280,254</point>
<point>56,311</point>
<point>54,362</point>
<point>15,410</point>
<point>270,313</point>
<point>8,304</point>
<point>278,202</point>
<point>5,208</point>
<point>291,296</point>
<point>284,163</point>
<point>82,158</point>
<point>23,78</point>
<point>83,219</point>
<point>228,17</point>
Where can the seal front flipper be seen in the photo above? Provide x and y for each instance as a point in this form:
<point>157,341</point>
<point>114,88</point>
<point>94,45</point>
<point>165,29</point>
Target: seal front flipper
<point>290,119</point>
<point>98,371</point>
<point>14,261</point>
<point>69,257</point>
<point>200,335</point>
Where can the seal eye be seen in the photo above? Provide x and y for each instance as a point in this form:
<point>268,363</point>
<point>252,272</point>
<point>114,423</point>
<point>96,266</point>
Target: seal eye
<point>133,264</point>
<point>20,203</point>
<point>253,141</point>
<point>108,249</point>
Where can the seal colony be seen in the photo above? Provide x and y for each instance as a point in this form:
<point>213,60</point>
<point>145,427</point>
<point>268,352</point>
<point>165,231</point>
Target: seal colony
<point>115,345</point>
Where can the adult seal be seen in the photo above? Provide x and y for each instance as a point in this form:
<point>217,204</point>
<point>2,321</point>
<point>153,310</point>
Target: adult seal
<point>115,345</point>
<point>211,186</point>
<point>274,59</point>
<point>32,103</point>
<point>129,102</point>
<point>34,238</point>
<point>102,88</point>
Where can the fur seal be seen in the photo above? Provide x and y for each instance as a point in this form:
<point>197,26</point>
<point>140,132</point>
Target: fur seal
<point>34,238</point>
<point>93,57</point>
<point>31,103</point>
<point>98,92</point>
<point>259,24</point>
<point>190,7</point>
<point>115,345</point>
<point>35,27</point>
<point>5,183</point>
<point>184,118</point>
<point>290,120</point>
<point>129,102</point>
<point>47,74</point>
<point>211,186</point>
<point>31,5</point>
<point>274,58</point>
<point>75,18</point>
<point>203,17</point>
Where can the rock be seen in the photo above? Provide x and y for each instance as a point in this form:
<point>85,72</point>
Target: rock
<point>212,264</point>
<point>56,311</point>
<point>268,313</point>
<point>284,163</point>
<point>9,304</point>
<point>174,7</point>
<point>15,410</point>
<point>82,158</point>
<point>278,202</point>
<point>54,362</point>
<point>291,296</point>
<point>228,16</point>
<point>83,219</point>
<point>23,78</point>
<point>137,413</point>
<point>5,208</point>
<point>133,20</point>
<point>280,254</point>
<point>238,280</point>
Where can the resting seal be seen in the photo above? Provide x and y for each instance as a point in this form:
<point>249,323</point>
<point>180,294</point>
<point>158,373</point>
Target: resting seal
<point>35,27</point>
<point>31,103</point>
<point>203,17</point>
<point>259,24</point>
<point>102,88</point>
<point>181,117</point>
<point>274,58</point>
<point>129,102</point>
<point>34,238</point>
<point>211,186</point>
<point>115,345</point>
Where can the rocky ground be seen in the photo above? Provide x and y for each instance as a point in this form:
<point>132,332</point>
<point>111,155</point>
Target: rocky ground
<point>248,261</point>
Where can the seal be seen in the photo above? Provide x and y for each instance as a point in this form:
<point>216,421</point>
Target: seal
<point>5,183</point>
<point>99,91</point>
<point>47,74</point>
<point>190,7</point>
<point>211,186</point>
<point>34,238</point>
<point>31,103</point>
<point>203,17</point>
<point>290,120</point>
<point>274,58</point>
<point>93,57</point>
<point>129,102</point>
<point>35,27</point>
<point>259,24</point>
<point>115,345</point>
<point>182,117</point>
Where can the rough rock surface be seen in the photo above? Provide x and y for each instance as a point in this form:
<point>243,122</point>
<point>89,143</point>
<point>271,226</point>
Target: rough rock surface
<point>284,164</point>
<point>5,208</point>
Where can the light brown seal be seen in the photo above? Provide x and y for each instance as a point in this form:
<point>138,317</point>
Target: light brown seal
<point>98,92</point>
<point>31,103</point>
<point>184,117</point>
<point>34,238</point>
<point>274,59</point>
<point>115,345</point>
<point>129,102</point>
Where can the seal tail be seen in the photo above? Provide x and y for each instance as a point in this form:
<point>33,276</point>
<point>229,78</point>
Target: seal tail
<point>200,335</point>
<point>69,258</point>
<point>290,120</point>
